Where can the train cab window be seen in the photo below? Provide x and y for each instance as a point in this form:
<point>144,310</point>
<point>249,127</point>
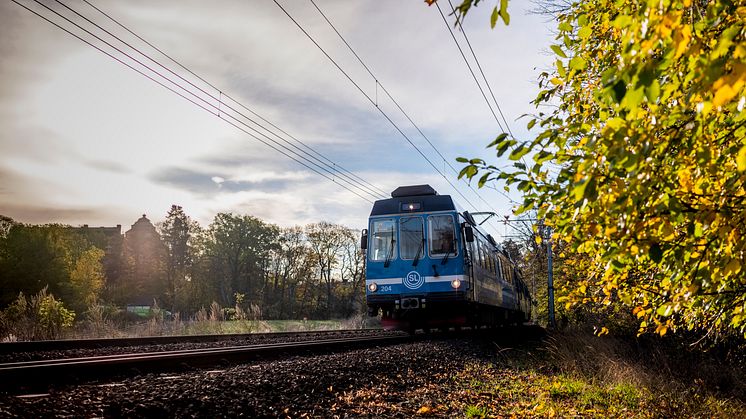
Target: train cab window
<point>442,232</point>
<point>383,240</point>
<point>411,236</point>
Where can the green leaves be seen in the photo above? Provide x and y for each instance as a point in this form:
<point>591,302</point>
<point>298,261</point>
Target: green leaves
<point>558,50</point>
<point>519,152</point>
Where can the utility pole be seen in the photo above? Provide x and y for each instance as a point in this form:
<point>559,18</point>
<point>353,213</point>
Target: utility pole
<point>550,280</point>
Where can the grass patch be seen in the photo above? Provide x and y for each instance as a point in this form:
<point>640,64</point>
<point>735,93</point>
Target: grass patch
<point>569,375</point>
<point>476,412</point>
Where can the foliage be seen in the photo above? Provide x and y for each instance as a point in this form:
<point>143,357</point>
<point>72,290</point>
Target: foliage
<point>87,278</point>
<point>178,232</point>
<point>641,166</point>
<point>41,316</point>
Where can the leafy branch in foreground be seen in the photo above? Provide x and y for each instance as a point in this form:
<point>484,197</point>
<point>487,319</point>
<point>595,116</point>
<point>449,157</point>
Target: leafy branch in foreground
<point>641,166</point>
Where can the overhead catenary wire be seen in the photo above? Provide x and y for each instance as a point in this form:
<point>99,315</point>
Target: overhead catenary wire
<point>479,66</point>
<point>385,115</point>
<point>396,103</point>
<point>151,78</point>
<point>223,94</point>
<point>290,153</point>
<point>323,166</point>
<point>375,104</point>
<point>474,77</point>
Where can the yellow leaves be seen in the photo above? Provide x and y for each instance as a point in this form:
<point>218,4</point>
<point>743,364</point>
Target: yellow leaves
<point>424,410</point>
<point>681,40</point>
<point>732,268</point>
<point>741,159</point>
<point>638,311</point>
<point>728,86</point>
<point>661,329</point>
<point>685,179</point>
<point>667,231</point>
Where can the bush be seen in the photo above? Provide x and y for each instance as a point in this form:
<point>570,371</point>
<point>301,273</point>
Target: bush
<point>36,318</point>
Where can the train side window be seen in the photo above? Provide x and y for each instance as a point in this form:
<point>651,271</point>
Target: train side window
<point>442,235</point>
<point>475,252</point>
<point>411,236</point>
<point>383,240</point>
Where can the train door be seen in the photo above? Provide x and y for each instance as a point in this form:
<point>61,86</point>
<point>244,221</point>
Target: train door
<point>467,238</point>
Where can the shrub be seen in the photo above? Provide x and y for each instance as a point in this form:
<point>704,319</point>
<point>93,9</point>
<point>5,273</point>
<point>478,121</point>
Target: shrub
<point>39,317</point>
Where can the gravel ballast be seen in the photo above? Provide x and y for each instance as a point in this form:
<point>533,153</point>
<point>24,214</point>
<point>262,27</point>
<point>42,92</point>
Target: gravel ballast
<point>398,380</point>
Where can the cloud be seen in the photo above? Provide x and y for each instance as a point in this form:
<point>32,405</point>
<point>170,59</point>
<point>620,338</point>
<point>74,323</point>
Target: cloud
<point>208,184</point>
<point>109,166</point>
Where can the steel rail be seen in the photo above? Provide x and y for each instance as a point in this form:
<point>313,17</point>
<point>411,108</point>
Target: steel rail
<point>64,344</point>
<point>28,375</point>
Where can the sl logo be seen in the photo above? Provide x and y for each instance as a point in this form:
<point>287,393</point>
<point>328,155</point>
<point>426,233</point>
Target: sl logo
<point>413,280</point>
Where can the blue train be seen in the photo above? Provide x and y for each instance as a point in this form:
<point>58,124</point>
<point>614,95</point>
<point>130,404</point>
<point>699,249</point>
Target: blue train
<point>429,264</point>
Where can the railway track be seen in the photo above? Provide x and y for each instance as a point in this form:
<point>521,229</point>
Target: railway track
<point>40,375</point>
<point>67,344</point>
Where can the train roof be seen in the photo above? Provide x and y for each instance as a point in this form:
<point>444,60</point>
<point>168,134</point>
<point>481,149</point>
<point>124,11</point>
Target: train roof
<point>413,199</point>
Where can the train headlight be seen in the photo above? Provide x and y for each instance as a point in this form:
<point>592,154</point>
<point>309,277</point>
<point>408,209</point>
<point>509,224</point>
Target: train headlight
<point>373,287</point>
<point>456,283</point>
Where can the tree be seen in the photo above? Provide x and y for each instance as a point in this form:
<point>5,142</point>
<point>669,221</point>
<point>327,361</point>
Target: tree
<point>178,232</point>
<point>87,279</point>
<point>641,166</point>
<point>239,246</point>
<point>326,240</point>
<point>291,263</point>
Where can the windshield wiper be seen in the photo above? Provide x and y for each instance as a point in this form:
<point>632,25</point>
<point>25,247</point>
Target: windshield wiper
<point>450,249</point>
<point>419,251</point>
<point>387,262</point>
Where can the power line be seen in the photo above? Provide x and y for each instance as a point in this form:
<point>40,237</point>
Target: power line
<point>489,105</point>
<point>231,98</point>
<point>385,115</point>
<point>479,66</point>
<point>300,159</point>
<point>479,86</point>
<point>378,83</point>
<point>220,102</point>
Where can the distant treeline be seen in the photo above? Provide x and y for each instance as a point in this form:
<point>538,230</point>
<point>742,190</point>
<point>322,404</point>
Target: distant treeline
<point>313,271</point>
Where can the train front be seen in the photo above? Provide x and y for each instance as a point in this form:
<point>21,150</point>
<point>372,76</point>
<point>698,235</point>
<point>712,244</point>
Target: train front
<point>415,264</point>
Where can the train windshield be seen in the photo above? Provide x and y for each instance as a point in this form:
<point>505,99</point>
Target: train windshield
<point>442,235</point>
<point>411,236</point>
<point>383,240</point>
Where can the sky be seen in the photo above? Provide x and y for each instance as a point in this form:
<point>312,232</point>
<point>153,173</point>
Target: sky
<point>87,140</point>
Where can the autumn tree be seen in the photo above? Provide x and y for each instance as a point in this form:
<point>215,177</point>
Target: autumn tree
<point>640,165</point>
<point>87,279</point>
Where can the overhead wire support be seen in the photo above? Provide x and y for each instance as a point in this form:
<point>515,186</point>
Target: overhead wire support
<point>297,158</point>
<point>398,106</point>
